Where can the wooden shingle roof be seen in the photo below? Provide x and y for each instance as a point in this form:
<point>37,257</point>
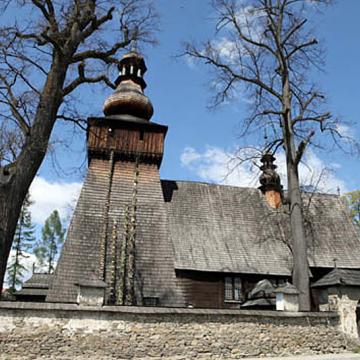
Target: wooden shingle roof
<point>39,281</point>
<point>37,285</point>
<point>338,276</point>
<point>231,229</point>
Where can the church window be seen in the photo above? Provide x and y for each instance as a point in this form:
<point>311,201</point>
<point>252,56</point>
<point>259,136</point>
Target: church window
<point>151,301</point>
<point>233,288</point>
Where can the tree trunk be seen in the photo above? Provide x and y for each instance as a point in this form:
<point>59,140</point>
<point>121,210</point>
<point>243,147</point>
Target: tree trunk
<point>9,213</point>
<point>300,275</point>
<point>301,267</point>
<point>15,181</point>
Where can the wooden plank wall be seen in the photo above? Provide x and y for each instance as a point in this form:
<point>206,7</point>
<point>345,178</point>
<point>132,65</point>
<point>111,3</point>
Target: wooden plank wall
<point>202,290</point>
<point>207,289</point>
<point>126,141</point>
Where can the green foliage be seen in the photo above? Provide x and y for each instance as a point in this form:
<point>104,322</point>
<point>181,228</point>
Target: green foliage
<point>353,201</point>
<point>52,239</point>
<point>23,241</point>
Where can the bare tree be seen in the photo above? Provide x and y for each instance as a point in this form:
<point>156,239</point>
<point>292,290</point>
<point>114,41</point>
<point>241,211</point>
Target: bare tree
<point>53,48</point>
<point>265,49</point>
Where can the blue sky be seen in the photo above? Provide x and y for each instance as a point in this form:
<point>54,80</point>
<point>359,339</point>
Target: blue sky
<point>199,141</point>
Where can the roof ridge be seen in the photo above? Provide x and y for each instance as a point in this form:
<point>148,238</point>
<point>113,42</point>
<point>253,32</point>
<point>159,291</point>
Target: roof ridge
<point>208,183</point>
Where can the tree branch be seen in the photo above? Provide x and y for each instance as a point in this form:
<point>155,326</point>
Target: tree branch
<point>96,23</point>
<point>300,47</point>
<point>49,13</point>
<point>255,81</point>
<point>102,55</point>
<point>12,102</point>
<point>82,78</point>
<point>292,31</point>
<point>302,146</point>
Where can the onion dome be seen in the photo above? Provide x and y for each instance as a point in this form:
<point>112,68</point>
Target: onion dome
<point>129,98</point>
<point>269,179</point>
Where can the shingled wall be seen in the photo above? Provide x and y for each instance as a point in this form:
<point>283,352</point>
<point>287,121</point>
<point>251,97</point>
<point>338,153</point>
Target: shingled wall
<point>59,331</point>
<point>83,248</point>
<point>80,254</point>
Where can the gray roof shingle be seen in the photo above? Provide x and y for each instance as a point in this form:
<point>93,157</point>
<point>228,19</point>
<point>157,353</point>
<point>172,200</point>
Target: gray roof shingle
<point>231,229</point>
<point>39,281</point>
<point>31,292</point>
<point>37,285</point>
<point>339,277</point>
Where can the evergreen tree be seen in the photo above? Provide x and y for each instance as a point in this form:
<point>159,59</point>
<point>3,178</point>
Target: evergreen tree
<point>52,239</point>
<point>353,201</point>
<point>23,239</point>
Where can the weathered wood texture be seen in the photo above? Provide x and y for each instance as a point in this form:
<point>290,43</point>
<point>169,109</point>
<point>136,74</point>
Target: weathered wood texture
<point>217,228</point>
<point>207,289</point>
<point>127,141</point>
<point>202,290</point>
<point>155,274</point>
<point>80,254</point>
<point>203,231</point>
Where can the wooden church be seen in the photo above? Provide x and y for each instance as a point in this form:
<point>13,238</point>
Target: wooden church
<point>138,240</point>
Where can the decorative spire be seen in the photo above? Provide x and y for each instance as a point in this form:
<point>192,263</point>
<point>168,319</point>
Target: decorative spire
<point>270,181</point>
<point>129,98</point>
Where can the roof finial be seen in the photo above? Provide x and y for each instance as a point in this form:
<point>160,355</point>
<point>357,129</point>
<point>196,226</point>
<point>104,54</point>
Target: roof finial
<point>338,190</point>
<point>335,265</point>
<point>265,139</point>
<point>134,47</point>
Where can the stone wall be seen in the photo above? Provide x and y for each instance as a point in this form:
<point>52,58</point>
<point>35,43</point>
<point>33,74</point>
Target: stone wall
<point>54,331</point>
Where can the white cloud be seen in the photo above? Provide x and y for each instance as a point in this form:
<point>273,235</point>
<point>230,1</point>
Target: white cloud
<point>251,22</point>
<point>344,130</point>
<point>48,196</point>
<point>189,60</point>
<point>189,156</point>
<point>219,166</point>
<point>226,49</point>
<point>226,44</point>
<point>314,172</point>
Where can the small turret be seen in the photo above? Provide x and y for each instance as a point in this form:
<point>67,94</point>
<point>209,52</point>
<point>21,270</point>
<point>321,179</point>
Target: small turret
<point>129,98</point>
<point>270,181</point>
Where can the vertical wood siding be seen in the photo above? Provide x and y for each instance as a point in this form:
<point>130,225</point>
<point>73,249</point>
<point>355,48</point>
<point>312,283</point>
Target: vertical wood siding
<point>202,290</point>
<point>127,141</point>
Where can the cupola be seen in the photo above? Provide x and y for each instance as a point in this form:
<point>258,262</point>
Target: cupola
<point>270,181</point>
<point>128,98</point>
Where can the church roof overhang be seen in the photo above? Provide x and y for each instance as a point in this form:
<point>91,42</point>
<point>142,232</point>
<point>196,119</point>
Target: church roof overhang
<point>126,121</point>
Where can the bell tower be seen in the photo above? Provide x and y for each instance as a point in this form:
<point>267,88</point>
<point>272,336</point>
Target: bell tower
<point>126,130</point>
<point>118,235</point>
